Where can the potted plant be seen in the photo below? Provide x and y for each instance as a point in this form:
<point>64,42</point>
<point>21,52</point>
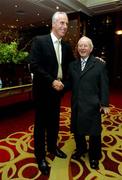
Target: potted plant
<point>9,53</point>
<point>13,64</point>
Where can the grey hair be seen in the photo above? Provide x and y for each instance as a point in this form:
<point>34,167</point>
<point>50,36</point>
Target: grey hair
<point>56,14</point>
<point>89,41</point>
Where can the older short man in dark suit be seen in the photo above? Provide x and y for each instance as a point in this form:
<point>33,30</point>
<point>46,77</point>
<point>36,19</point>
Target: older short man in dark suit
<point>49,69</point>
<point>90,96</point>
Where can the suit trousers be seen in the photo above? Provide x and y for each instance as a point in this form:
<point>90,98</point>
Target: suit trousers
<point>46,125</point>
<point>93,146</point>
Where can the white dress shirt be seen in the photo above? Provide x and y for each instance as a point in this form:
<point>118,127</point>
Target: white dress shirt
<point>54,39</point>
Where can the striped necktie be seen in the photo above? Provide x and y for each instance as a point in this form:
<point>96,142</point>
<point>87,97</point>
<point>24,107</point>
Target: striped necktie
<point>83,63</point>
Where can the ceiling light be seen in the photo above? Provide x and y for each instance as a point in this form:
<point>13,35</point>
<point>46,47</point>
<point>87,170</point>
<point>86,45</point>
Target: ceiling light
<point>12,26</point>
<point>32,25</point>
<point>16,6</point>
<point>118,32</point>
<point>57,7</point>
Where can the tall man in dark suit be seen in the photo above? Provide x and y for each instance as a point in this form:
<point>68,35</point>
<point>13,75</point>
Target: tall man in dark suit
<point>90,96</point>
<point>49,70</point>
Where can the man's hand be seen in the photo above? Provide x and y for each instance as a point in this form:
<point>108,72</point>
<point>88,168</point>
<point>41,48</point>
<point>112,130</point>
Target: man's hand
<point>57,85</point>
<point>100,59</point>
<point>105,110</point>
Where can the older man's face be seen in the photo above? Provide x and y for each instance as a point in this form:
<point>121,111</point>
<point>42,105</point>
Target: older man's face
<point>84,48</point>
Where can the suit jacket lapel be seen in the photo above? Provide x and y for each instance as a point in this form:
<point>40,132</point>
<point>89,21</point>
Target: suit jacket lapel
<point>63,50</point>
<point>77,66</point>
<point>51,47</point>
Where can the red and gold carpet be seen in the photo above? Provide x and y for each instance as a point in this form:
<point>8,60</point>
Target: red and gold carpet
<point>17,161</point>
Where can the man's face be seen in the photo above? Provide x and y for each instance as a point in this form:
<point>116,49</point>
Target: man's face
<point>60,26</point>
<point>84,48</point>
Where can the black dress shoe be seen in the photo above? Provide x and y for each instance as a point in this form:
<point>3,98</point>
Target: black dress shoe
<point>43,167</point>
<point>77,154</point>
<point>59,153</point>
<point>94,164</point>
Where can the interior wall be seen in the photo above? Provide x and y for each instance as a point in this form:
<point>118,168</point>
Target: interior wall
<point>101,29</point>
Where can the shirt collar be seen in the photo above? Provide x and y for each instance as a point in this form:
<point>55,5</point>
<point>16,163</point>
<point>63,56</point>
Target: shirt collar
<point>85,59</point>
<point>54,38</point>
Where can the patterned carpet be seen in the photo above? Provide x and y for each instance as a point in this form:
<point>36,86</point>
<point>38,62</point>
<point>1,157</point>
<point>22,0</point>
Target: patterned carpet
<point>17,161</point>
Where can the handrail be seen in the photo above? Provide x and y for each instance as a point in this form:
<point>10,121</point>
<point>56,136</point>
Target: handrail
<point>15,87</point>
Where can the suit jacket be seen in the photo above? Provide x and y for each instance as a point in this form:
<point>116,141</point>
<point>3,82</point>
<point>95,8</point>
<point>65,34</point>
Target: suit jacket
<point>89,92</point>
<point>44,66</point>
